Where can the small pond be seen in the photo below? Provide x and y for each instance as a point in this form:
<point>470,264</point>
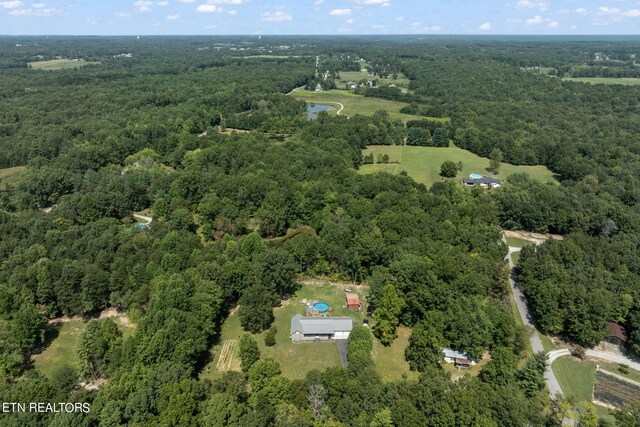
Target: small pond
<point>312,110</point>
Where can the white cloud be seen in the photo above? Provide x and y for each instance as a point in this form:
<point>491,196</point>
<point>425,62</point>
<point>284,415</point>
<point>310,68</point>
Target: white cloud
<point>632,13</point>
<point>208,8</point>
<point>38,5</point>
<point>529,4</point>
<point>340,12</point>
<point>318,2</point>
<point>10,4</point>
<point>276,16</point>
<point>122,14</point>
<point>581,11</point>
<point>226,1</point>
<point>232,12</point>
<point>609,11</point>
<point>485,27</point>
<point>382,2</point>
<point>434,28</point>
<point>187,1</point>
<point>349,21</point>
<point>553,24</point>
<point>162,3</point>
<point>536,20</point>
<point>173,17</point>
<point>36,12</point>
<point>142,5</point>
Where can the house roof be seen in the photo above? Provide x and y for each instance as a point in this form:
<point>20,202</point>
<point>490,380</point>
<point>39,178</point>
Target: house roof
<point>320,325</point>
<point>353,299</point>
<point>617,331</point>
<point>454,354</point>
<point>483,180</point>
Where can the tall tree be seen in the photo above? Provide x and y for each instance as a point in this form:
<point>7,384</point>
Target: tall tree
<point>387,315</point>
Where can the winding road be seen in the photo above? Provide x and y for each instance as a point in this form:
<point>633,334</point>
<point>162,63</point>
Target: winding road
<point>147,219</point>
<point>536,344</point>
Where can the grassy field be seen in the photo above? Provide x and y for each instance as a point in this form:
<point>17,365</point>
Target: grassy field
<point>628,81</point>
<point>358,104</point>
<point>423,163</point>
<point>390,362</point>
<point>517,243</point>
<point>356,76</point>
<point>576,378</point>
<point>59,64</point>
<point>10,176</point>
<point>62,350</point>
<point>295,359</point>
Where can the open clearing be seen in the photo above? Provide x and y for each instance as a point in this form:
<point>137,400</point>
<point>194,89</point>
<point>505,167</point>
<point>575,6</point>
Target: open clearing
<point>423,163</point>
<point>296,360</point>
<point>60,64</point>
<point>390,362</point>
<point>356,76</point>
<point>628,81</point>
<point>576,378</point>
<point>62,350</point>
<point>10,176</point>
<point>359,104</point>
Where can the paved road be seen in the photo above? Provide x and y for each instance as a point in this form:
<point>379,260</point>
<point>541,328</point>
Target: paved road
<point>146,219</point>
<point>342,349</point>
<point>536,343</point>
<point>534,340</point>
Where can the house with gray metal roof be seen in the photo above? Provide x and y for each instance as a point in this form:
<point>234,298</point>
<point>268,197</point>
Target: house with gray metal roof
<point>305,329</point>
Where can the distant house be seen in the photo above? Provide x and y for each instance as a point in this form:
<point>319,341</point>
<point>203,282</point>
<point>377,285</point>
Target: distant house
<point>353,301</point>
<point>458,358</point>
<point>392,85</point>
<point>308,329</point>
<point>485,182</point>
<point>318,87</point>
<point>616,334</point>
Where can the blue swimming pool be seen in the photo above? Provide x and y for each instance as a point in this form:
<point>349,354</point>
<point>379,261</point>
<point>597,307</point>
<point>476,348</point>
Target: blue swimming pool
<point>321,307</point>
<point>475,176</point>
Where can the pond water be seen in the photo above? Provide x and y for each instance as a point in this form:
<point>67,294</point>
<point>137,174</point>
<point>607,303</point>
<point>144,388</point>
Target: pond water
<point>312,110</point>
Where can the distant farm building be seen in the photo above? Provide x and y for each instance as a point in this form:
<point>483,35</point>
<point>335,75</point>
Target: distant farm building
<point>318,87</point>
<point>315,329</point>
<point>458,358</point>
<point>476,180</point>
<point>353,301</point>
<point>616,334</point>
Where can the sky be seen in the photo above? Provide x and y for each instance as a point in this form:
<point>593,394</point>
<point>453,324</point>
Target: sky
<point>306,17</point>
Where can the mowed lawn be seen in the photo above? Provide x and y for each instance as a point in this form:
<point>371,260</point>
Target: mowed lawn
<point>390,361</point>
<point>296,360</point>
<point>423,163</point>
<point>10,176</point>
<point>628,81</point>
<point>62,350</point>
<point>59,64</point>
<point>356,76</point>
<point>576,378</point>
<point>359,104</point>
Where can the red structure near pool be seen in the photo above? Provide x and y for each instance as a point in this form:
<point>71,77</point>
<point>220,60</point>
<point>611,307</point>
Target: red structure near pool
<point>353,301</point>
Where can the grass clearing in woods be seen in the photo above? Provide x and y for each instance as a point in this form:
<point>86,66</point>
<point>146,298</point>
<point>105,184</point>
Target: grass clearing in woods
<point>60,64</point>
<point>10,176</point>
<point>423,163</point>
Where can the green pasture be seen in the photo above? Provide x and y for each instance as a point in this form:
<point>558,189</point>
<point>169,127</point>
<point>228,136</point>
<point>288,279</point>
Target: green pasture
<point>423,163</point>
<point>628,81</point>
<point>359,104</point>
<point>59,64</point>
<point>576,378</point>
<point>356,76</point>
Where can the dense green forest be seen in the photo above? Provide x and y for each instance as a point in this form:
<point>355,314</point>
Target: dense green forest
<point>247,197</point>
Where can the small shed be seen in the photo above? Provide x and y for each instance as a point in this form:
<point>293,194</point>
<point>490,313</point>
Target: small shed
<point>353,301</point>
<point>616,334</point>
<point>458,358</point>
